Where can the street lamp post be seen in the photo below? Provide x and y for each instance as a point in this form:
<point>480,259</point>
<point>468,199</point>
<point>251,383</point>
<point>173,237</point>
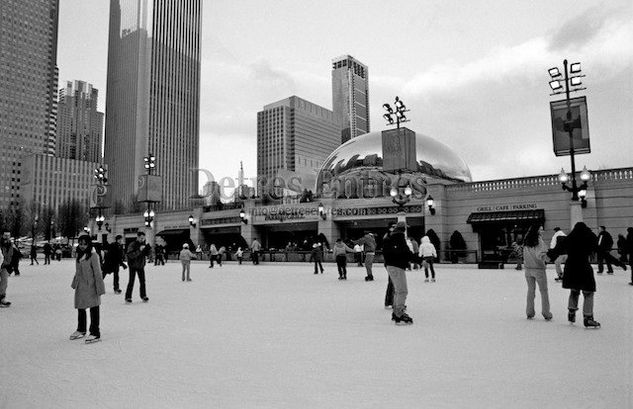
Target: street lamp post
<point>149,165</point>
<point>563,83</point>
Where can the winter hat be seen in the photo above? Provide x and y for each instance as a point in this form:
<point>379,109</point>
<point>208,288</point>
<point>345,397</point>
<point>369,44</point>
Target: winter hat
<point>185,246</point>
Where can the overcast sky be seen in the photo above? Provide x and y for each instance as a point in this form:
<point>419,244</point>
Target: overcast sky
<point>474,75</point>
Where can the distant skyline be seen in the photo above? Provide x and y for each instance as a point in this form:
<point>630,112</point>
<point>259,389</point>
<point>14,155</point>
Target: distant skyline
<point>474,77</point>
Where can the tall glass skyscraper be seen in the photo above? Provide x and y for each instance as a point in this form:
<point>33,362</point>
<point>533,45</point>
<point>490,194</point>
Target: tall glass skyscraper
<point>350,96</point>
<point>28,87</point>
<point>153,96</point>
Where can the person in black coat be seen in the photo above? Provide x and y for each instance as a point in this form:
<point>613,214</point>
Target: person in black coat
<point>628,249</point>
<point>397,256</point>
<point>114,258</point>
<point>605,243</point>
<point>578,274</point>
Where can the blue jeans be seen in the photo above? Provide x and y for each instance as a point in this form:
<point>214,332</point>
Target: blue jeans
<point>400,290</point>
<point>369,260</point>
<point>534,277</point>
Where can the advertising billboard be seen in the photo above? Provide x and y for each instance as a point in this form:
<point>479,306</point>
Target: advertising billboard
<point>150,188</point>
<point>100,196</point>
<point>578,125</point>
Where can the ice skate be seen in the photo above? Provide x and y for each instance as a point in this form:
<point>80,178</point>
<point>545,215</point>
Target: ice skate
<point>4,303</point>
<point>128,301</point>
<point>426,280</point>
<point>571,316</point>
<point>432,280</point>
<point>92,339</point>
<point>590,322</point>
<point>77,335</point>
<point>404,319</point>
<point>145,299</point>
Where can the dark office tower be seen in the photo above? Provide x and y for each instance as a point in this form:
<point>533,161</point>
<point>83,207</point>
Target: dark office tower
<point>153,96</point>
<point>79,124</point>
<point>350,96</point>
<point>28,87</point>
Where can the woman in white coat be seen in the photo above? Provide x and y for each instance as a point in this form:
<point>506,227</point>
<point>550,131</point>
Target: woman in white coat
<point>427,253</point>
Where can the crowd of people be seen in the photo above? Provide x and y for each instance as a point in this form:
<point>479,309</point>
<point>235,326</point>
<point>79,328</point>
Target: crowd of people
<point>571,255</point>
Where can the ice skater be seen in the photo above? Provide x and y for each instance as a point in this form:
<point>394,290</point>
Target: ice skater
<point>397,256</point>
<point>369,244</point>
<point>340,251</point>
<point>562,258</point>
<point>389,291</point>
<point>185,259</point>
<point>8,253</point>
<point>316,255</point>
<point>578,276</point>
<point>34,254</point>
<point>89,287</point>
<point>213,253</point>
<point>427,253</point>
<point>136,254</point>
<point>534,256</point>
<point>239,254</point>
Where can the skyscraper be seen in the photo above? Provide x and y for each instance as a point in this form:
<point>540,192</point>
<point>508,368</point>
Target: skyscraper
<point>350,96</point>
<point>294,137</point>
<point>153,96</point>
<point>28,87</point>
<point>79,124</point>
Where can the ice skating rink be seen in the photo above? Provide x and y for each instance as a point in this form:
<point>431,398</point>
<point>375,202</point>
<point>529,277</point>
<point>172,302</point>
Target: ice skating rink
<point>277,336</point>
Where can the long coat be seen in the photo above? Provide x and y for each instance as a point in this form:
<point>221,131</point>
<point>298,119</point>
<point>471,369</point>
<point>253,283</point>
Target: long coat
<point>88,282</point>
<point>578,274</point>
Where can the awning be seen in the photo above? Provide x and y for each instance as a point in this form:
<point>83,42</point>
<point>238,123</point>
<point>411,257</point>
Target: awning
<point>173,232</point>
<point>537,215</point>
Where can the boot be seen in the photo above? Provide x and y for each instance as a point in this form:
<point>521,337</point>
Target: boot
<point>590,322</point>
<point>571,316</point>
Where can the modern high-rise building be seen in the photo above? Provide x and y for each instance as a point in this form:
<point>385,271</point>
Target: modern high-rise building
<point>350,96</point>
<point>153,96</point>
<point>28,88</point>
<point>79,124</point>
<point>294,137</point>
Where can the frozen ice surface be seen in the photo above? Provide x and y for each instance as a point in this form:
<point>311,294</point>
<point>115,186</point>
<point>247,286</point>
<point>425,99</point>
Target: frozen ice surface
<point>278,336</point>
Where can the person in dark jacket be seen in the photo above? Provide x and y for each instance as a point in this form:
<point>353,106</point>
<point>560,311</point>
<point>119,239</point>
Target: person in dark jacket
<point>114,258</point>
<point>136,253</point>
<point>621,243</point>
<point>605,242</point>
<point>369,243</point>
<point>578,274</point>
<point>397,257</point>
<point>48,250</point>
<point>34,254</point>
<point>7,255</point>
<point>15,260</point>
<point>316,255</point>
<point>628,249</point>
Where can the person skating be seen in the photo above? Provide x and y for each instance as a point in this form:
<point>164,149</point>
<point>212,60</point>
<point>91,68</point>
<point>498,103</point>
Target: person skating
<point>114,258</point>
<point>136,254</point>
<point>562,258</point>
<point>358,254</point>
<point>221,252</point>
<point>628,249</point>
<point>33,254</point>
<point>15,259</point>
<point>7,250</point>
<point>369,243</point>
<point>239,254</point>
<point>605,243</point>
<point>48,250</point>
<point>389,291</point>
<point>89,287</point>
<point>185,258</point>
<point>428,253</point>
<point>256,247</point>
<point>397,256</point>
<point>213,254</point>
<point>340,251</point>
<point>578,275</point>
<point>534,256</point>
<point>621,243</point>
<point>316,255</point>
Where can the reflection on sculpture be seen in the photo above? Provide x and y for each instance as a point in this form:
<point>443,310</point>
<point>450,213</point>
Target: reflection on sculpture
<point>355,168</point>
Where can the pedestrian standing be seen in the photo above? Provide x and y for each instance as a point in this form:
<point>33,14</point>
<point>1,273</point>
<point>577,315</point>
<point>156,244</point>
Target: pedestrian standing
<point>397,257</point>
<point>89,287</point>
<point>428,253</point>
<point>213,253</point>
<point>137,251</point>
<point>369,243</point>
<point>113,259</point>
<point>185,259</point>
<point>562,258</point>
<point>58,253</point>
<point>578,276</point>
<point>340,250</point>
<point>34,254</point>
<point>534,256</point>
<point>7,250</point>
<point>255,249</point>
<point>239,254</point>
<point>316,255</point>
<point>47,252</point>
<point>605,243</point>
